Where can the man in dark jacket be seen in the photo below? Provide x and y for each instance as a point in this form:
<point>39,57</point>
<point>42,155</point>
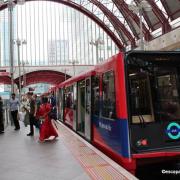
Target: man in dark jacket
<point>31,113</point>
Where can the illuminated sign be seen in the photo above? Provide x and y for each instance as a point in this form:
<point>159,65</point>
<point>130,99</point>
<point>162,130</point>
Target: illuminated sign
<point>173,130</point>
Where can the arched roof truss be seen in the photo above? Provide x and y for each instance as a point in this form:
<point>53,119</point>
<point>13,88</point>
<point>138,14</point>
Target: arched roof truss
<point>172,8</point>
<point>121,23</point>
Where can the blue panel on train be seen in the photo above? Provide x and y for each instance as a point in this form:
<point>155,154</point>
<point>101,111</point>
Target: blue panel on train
<point>114,134</point>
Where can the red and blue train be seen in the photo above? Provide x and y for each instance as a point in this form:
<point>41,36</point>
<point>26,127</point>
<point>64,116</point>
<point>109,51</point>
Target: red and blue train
<point>127,106</point>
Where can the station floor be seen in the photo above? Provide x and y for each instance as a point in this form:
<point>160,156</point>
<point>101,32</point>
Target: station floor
<point>68,158</point>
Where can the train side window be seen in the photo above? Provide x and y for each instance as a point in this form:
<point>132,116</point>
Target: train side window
<point>88,96</point>
<point>95,95</point>
<point>108,104</point>
<point>68,97</point>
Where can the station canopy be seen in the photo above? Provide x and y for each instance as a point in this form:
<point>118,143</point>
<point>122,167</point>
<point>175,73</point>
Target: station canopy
<point>121,19</point>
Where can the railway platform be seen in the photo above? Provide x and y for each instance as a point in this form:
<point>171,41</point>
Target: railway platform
<point>68,158</point>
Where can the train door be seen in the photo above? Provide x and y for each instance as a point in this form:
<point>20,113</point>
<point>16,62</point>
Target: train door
<point>57,103</point>
<point>81,108</point>
<point>88,109</point>
<point>60,104</point>
<point>74,106</point>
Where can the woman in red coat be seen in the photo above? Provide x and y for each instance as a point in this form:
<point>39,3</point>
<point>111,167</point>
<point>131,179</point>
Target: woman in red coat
<point>47,129</point>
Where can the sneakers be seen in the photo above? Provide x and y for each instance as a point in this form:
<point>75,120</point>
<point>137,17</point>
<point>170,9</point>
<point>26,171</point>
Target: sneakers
<point>30,134</point>
<point>17,129</point>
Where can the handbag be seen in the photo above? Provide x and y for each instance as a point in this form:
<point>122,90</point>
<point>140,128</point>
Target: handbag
<point>38,122</point>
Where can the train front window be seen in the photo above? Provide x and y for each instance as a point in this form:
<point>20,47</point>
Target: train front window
<point>153,90</point>
<point>140,96</point>
<point>168,106</point>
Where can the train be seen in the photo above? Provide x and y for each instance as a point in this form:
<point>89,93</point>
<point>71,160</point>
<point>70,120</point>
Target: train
<point>127,106</point>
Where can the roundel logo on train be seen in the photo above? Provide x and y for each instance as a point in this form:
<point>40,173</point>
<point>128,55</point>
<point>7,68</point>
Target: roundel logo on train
<point>173,130</point>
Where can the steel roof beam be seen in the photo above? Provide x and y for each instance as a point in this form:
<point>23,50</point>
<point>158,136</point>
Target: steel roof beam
<point>95,19</point>
<point>115,22</point>
<point>90,15</point>
<point>127,20</point>
<point>122,6</point>
<point>146,17</point>
<point>166,7</point>
<point>164,22</point>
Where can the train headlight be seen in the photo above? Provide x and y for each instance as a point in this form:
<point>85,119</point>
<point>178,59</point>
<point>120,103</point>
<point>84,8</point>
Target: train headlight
<point>142,142</point>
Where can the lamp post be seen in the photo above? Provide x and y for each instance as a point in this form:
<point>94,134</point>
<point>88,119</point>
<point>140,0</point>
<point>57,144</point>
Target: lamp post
<point>10,4</point>
<point>74,62</point>
<point>24,72</point>
<point>96,43</point>
<point>142,5</point>
<point>19,42</point>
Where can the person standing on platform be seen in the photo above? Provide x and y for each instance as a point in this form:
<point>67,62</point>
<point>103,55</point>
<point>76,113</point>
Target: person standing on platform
<point>1,117</point>
<point>37,106</point>
<point>14,104</point>
<point>31,113</point>
<point>25,107</point>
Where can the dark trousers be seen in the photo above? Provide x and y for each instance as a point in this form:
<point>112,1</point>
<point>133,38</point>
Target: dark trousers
<point>14,117</point>
<point>1,122</point>
<point>33,122</point>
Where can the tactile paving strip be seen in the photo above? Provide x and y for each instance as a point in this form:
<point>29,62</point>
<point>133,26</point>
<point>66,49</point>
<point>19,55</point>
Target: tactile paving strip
<point>93,164</point>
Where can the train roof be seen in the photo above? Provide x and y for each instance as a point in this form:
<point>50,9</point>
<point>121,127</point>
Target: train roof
<point>148,55</point>
<point>91,72</point>
<point>77,78</point>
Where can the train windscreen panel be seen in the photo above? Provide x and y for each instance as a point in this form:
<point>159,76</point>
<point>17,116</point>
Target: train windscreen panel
<point>154,100</point>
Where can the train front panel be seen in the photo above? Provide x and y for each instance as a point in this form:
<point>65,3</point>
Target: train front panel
<point>153,85</point>
<point>109,111</point>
